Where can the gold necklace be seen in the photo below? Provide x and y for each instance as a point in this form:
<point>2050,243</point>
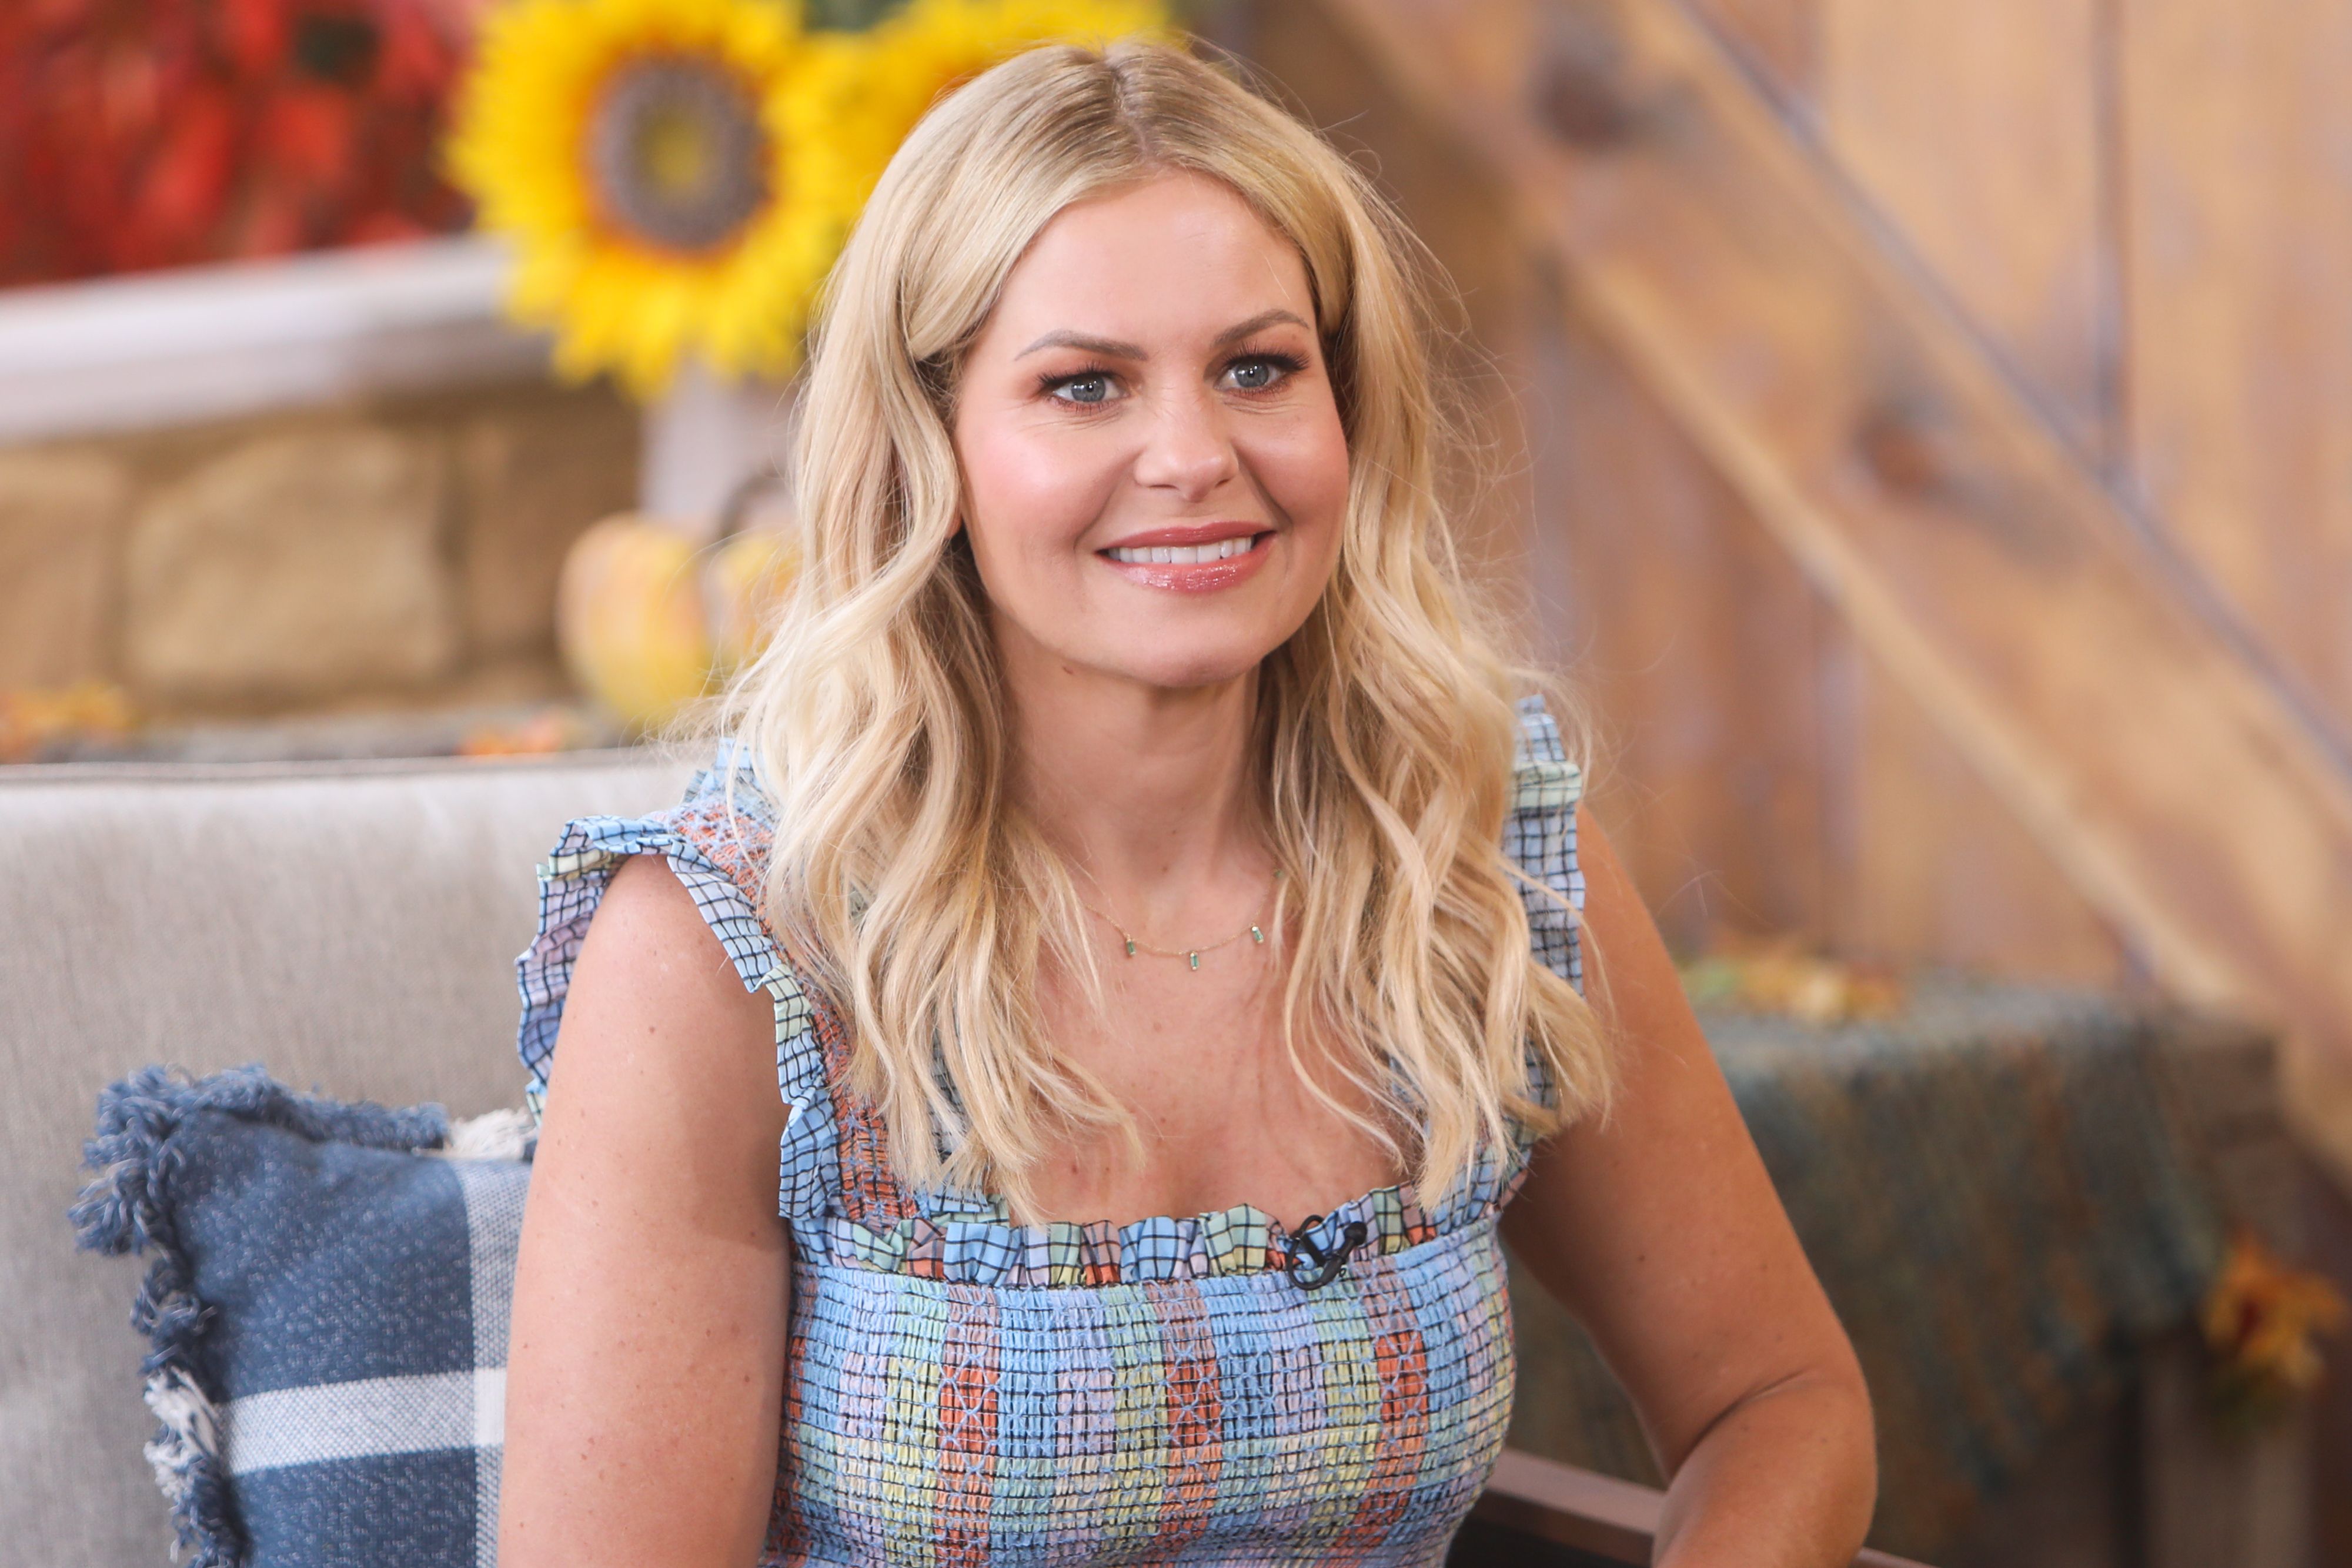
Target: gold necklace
<point>1192,956</point>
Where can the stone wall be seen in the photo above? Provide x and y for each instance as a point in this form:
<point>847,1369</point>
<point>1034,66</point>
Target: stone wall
<point>401,553</point>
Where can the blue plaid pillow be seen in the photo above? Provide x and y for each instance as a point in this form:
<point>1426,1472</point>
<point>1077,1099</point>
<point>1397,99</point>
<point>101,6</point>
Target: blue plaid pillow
<point>328,1308</point>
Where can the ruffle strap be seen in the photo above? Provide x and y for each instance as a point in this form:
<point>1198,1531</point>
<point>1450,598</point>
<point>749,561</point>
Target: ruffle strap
<point>691,837</point>
<point>1540,836</point>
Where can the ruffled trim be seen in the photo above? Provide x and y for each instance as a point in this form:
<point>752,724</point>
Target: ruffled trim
<point>717,848</point>
<point>1540,836</point>
<point>978,1244</point>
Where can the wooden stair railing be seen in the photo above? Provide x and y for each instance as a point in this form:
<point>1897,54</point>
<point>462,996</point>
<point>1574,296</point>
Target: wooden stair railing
<point>2179,782</point>
<point>1596,1517</point>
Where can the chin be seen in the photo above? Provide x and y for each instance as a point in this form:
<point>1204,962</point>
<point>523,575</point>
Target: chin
<point>1191,669</point>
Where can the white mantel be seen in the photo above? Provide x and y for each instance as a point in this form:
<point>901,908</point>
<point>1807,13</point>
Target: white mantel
<point>210,342</point>
<point>213,342</point>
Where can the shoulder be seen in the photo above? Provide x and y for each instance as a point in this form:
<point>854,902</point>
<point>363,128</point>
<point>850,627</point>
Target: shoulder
<point>714,843</point>
<point>652,965</point>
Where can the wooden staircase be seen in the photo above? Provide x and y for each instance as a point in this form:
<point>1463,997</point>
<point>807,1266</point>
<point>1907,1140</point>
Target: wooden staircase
<point>2180,780</point>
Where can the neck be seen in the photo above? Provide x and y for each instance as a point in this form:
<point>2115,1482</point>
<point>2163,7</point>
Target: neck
<point>1148,791</point>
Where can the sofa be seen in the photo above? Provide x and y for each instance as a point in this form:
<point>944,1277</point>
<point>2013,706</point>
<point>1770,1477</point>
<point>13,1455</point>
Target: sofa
<point>349,925</point>
<point>352,927</point>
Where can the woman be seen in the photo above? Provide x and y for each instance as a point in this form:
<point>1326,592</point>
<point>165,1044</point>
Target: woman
<point>1163,925</point>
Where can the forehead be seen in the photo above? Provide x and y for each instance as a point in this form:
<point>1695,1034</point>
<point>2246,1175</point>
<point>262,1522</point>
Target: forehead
<point>1174,256</point>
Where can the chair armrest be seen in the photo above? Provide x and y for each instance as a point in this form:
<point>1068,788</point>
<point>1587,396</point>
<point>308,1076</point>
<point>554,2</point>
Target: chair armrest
<point>1589,1512</point>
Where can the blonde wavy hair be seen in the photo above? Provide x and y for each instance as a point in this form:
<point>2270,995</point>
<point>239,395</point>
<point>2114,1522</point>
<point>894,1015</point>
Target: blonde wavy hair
<point>904,880</point>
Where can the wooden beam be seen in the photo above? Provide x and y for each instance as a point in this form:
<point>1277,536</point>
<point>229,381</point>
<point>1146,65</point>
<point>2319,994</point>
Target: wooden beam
<point>1977,130</point>
<point>2081,668</point>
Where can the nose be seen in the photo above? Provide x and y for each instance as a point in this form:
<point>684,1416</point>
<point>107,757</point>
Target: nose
<point>1187,449</point>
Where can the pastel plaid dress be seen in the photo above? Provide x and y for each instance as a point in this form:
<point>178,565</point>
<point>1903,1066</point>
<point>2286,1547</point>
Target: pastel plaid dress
<point>962,1390</point>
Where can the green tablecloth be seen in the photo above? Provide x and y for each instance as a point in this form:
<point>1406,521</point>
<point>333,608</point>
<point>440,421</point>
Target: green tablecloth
<point>2001,1197</point>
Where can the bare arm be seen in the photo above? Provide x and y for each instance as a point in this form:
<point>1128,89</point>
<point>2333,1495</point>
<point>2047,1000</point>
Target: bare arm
<point>1661,1231</point>
<point>644,1380</point>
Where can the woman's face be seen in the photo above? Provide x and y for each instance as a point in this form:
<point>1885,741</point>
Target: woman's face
<point>1153,467</point>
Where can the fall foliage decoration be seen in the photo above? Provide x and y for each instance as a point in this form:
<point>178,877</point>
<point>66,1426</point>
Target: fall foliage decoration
<point>550,729</point>
<point>2262,1322</point>
<point>36,722</point>
<point>1778,976</point>
<point>147,133</point>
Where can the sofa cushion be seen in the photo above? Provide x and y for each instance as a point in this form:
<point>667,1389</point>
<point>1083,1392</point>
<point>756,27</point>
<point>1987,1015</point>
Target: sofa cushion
<point>354,925</point>
<point>328,1305</point>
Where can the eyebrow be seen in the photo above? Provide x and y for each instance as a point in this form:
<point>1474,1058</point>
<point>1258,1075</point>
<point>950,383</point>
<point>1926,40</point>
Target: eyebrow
<point>1111,348</point>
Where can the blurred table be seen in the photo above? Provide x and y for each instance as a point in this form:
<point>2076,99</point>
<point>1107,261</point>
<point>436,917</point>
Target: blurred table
<point>2008,1191</point>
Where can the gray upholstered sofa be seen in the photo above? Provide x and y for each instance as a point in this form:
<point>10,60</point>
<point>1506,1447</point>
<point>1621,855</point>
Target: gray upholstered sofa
<point>349,925</point>
<point>352,927</point>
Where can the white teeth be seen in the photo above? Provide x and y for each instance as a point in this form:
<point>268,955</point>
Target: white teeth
<point>1182,555</point>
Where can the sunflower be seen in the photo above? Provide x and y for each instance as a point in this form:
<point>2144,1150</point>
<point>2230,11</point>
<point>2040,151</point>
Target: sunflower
<point>677,176</point>
<point>650,160</point>
<point>926,51</point>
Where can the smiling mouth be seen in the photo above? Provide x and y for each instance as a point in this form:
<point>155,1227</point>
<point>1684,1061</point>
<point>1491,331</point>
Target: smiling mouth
<point>1185,555</point>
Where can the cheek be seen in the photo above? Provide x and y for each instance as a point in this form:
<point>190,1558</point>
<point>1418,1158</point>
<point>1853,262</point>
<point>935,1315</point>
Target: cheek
<point>1306,471</point>
<point>1023,491</point>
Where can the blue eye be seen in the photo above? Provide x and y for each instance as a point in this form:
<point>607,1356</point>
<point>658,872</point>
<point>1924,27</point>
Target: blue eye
<point>1083,389</point>
<point>1261,372</point>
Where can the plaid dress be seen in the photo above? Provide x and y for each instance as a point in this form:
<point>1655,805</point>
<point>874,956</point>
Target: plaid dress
<point>963,1390</point>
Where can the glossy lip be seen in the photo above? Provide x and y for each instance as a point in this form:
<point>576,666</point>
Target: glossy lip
<point>1192,577</point>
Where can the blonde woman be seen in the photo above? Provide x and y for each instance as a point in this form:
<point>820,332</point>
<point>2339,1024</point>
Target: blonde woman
<point>1166,927</point>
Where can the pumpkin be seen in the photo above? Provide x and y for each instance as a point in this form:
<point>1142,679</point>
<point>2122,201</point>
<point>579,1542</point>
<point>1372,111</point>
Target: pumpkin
<point>745,588</point>
<point>649,623</point>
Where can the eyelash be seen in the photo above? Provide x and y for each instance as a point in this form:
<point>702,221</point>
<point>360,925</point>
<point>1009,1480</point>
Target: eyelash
<point>1288,364</point>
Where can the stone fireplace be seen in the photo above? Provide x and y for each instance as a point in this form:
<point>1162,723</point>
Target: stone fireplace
<point>345,520</point>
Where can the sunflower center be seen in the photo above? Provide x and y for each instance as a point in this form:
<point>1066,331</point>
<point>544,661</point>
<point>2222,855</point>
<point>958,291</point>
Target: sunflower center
<point>676,153</point>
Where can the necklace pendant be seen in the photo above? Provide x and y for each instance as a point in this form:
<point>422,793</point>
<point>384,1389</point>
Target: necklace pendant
<point>1131,944</point>
<point>1195,957</point>
<point>1256,935</point>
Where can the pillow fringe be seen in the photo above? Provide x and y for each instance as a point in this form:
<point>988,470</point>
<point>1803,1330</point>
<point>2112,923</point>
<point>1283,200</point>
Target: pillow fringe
<point>122,1210</point>
<point>493,1135</point>
<point>185,1455</point>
